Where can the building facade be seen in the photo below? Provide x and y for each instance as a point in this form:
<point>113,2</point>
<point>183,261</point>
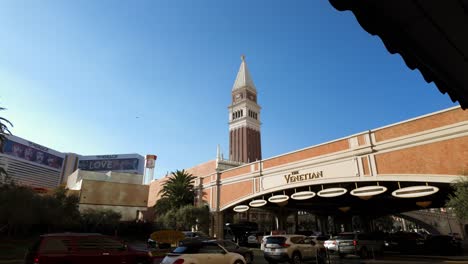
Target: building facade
<point>40,167</point>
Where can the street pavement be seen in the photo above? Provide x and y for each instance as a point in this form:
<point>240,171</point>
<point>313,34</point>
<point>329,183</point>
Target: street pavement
<point>387,259</point>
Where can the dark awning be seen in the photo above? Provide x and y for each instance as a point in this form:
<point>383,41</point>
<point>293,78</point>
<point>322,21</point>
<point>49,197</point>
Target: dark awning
<point>430,35</point>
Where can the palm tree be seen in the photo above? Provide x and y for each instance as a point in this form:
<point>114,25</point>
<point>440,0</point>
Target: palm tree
<point>179,189</point>
<point>4,131</point>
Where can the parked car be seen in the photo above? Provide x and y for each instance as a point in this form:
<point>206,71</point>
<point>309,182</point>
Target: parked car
<point>442,245</point>
<point>263,242</point>
<point>233,247</point>
<point>202,252</point>
<point>405,242</point>
<point>252,239</point>
<point>78,248</point>
<point>293,249</point>
<point>362,244</point>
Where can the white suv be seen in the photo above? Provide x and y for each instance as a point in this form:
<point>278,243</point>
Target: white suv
<point>293,248</point>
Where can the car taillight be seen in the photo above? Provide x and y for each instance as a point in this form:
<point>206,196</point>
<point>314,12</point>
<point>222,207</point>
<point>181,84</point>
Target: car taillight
<point>285,245</point>
<point>354,242</point>
<point>334,242</point>
<point>36,260</point>
<point>179,261</point>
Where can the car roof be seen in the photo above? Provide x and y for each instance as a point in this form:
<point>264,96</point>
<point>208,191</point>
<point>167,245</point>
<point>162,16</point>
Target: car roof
<point>289,235</point>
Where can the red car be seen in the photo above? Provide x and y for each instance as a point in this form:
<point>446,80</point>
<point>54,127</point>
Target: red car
<point>83,248</point>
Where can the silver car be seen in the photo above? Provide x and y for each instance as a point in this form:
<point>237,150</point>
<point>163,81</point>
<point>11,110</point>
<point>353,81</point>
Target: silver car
<point>362,244</point>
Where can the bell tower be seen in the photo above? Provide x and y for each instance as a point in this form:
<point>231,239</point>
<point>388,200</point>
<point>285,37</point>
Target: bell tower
<point>244,119</point>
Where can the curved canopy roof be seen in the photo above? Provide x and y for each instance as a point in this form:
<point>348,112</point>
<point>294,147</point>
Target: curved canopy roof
<point>430,35</point>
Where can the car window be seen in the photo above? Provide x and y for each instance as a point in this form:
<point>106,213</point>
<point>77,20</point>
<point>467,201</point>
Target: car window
<point>186,250</point>
<point>211,248</point>
<point>276,240</point>
<point>297,240</point>
<point>111,244</point>
<point>88,244</point>
<point>308,240</point>
<point>56,244</point>
<point>229,245</point>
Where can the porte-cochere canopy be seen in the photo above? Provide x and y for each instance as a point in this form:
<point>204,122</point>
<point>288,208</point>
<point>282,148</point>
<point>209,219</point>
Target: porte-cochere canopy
<point>397,168</point>
<point>429,35</point>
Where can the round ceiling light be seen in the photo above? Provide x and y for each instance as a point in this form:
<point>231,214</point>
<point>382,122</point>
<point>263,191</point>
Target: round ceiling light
<point>257,203</point>
<point>304,195</point>
<point>332,192</point>
<point>415,191</point>
<point>368,191</point>
<point>241,208</point>
<point>278,198</point>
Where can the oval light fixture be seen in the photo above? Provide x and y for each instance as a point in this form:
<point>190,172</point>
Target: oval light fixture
<point>257,203</point>
<point>241,208</point>
<point>278,198</point>
<point>415,191</point>
<point>368,190</point>
<point>302,195</point>
<point>332,192</point>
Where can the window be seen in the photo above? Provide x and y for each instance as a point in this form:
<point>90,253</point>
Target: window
<point>229,245</point>
<point>56,244</point>
<point>186,250</point>
<point>111,244</point>
<point>210,248</point>
<point>276,240</point>
<point>88,244</point>
<point>297,240</point>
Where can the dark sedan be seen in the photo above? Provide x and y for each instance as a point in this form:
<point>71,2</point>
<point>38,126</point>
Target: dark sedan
<point>233,247</point>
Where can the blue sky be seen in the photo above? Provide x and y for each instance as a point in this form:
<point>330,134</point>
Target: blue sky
<point>75,75</point>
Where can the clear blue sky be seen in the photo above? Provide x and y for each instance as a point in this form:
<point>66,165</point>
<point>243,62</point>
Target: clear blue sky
<point>75,75</point>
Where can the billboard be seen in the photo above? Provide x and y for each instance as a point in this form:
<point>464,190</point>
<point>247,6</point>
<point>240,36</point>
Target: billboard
<point>150,161</point>
<point>31,152</point>
<point>123,163</point>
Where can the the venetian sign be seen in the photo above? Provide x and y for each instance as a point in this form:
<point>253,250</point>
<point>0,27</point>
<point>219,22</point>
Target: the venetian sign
<point>309,175</point>
<point>295,176</point>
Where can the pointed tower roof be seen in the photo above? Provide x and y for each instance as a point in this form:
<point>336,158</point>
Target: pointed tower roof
<point>243,77</point>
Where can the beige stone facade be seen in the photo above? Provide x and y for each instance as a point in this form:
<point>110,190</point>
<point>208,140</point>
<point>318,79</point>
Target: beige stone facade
<point>121,192</point>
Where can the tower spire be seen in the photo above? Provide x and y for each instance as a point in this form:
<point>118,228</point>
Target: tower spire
<point>243,78</point>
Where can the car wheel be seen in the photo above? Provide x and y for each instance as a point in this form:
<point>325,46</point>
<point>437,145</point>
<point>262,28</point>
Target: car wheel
<point>296,258</point>
<point>248,258</point>
<point>239,262</point>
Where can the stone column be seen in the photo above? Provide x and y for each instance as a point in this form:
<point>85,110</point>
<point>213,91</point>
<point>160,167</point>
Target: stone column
<point>218,225</point>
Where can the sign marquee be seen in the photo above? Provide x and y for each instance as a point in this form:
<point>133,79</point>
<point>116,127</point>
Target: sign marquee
<point>295,176</point>
<point>342,169</point>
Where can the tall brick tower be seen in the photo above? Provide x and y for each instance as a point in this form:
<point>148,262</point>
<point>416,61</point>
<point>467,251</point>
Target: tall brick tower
<point>244,119</point>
